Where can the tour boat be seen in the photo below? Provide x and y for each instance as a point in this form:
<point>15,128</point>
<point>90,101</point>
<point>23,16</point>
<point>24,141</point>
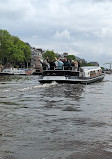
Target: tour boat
<point>83,75</point>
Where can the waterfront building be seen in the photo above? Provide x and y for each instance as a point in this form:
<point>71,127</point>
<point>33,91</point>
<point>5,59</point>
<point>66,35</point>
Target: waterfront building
<point>65,54</point>
<point>36,57</point>
<point>94,63</point>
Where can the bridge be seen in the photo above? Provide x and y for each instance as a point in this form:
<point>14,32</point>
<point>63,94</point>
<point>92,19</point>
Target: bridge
<point>110,63</point>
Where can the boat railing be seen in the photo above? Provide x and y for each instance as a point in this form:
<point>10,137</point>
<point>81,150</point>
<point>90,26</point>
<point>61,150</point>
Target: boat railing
<point>71,68</point>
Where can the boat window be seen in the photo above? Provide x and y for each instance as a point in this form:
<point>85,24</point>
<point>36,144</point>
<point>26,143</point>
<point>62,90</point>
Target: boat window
<point>99,71</point>
<point>81,70</point>
<point>92,73</point>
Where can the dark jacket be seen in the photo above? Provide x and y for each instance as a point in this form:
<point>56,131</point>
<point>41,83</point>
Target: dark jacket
<point>52,64</point>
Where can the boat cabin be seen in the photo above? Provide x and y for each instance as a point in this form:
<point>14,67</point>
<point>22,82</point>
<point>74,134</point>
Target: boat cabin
<point>90,71</point>
<point>87,71</point>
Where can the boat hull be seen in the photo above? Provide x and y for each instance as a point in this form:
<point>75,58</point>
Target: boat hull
<point>62,79</point>
<point>3,74</point>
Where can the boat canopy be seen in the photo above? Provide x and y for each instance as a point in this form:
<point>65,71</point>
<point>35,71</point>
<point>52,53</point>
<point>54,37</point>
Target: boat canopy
<point>90,71</point>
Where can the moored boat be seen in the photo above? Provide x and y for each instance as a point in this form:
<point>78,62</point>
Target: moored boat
<point>15,71</point>
<point>83,75</point>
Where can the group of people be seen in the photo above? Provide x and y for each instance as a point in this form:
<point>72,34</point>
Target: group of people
<point>60,64</point>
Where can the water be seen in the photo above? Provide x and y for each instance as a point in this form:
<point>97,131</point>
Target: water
<point>55,121</point>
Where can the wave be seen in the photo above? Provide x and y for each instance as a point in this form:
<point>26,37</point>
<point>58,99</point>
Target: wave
<point>39,86</point>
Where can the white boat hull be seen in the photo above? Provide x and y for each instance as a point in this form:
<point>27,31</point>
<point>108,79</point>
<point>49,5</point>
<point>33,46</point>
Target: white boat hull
<point>64,79</point>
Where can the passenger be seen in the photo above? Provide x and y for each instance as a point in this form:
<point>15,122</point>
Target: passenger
<point>59,64</point>
<point>79,64</point>
<point>67,65</point>
<point>44,64</point>
<point>76,65</point>
<point>73,64</point>
<point>64,61</point>
<point>52,64</point>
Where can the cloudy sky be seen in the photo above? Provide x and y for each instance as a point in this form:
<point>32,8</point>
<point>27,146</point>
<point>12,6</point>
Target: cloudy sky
<point>79,27</point>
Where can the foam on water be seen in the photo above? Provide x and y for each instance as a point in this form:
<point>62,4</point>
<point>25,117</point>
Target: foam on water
<point>39,86</point>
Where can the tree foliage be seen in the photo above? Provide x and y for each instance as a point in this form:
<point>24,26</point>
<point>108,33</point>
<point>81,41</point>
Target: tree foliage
<point>12,49</point>
<point>71,57</point>
<point>50,55</point>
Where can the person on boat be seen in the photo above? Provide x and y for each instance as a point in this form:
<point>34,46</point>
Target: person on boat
<point>67,64</point>
<point>52,64</point>
<point>73,64</point>
<point>79,65</point>
<point>59,64</point>
<point>64,60</point>
<point>76,65</point>
<point>44,64</point>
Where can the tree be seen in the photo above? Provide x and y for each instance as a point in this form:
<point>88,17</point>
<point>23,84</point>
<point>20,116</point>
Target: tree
<point>27,53</point>
<point>12,49</point>
<point>50,54</point>
<point>22,50</point>
<point>5,45</point>
<point>71,57</point>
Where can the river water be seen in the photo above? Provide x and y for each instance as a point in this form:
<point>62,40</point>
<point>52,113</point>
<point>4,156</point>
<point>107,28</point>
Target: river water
<point>55,121</point>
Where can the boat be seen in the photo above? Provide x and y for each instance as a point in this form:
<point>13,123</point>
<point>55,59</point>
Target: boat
<point>37,72</point>
<point>83,75</point>
<point>15,71</point>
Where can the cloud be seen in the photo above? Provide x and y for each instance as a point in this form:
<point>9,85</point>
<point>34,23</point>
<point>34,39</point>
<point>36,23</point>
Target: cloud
<point>81,27</point>
<point>62,35</point>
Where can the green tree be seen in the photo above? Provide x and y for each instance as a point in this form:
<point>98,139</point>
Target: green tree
<point>27,53</point>
<point>6,44</point>
<point>71,57</point>
<point>12,49</point>
<point>21,51</point>
<point>50,55</point>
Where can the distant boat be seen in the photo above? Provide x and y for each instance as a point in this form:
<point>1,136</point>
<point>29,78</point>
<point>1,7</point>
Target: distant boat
<point>15,71</point>
<point>83,75</point>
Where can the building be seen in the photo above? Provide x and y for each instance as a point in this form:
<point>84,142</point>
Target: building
<point>36,57</point>
<point>94,63</point>
<point>65,54</point>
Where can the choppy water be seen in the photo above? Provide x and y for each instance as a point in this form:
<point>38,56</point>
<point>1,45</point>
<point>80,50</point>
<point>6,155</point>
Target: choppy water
<point>55,121</point>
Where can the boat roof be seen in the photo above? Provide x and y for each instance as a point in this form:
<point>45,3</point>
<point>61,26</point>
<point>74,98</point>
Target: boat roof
<point>91,68</point>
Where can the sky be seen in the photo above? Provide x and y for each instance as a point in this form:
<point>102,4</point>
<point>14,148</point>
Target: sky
<point>80,27</point>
